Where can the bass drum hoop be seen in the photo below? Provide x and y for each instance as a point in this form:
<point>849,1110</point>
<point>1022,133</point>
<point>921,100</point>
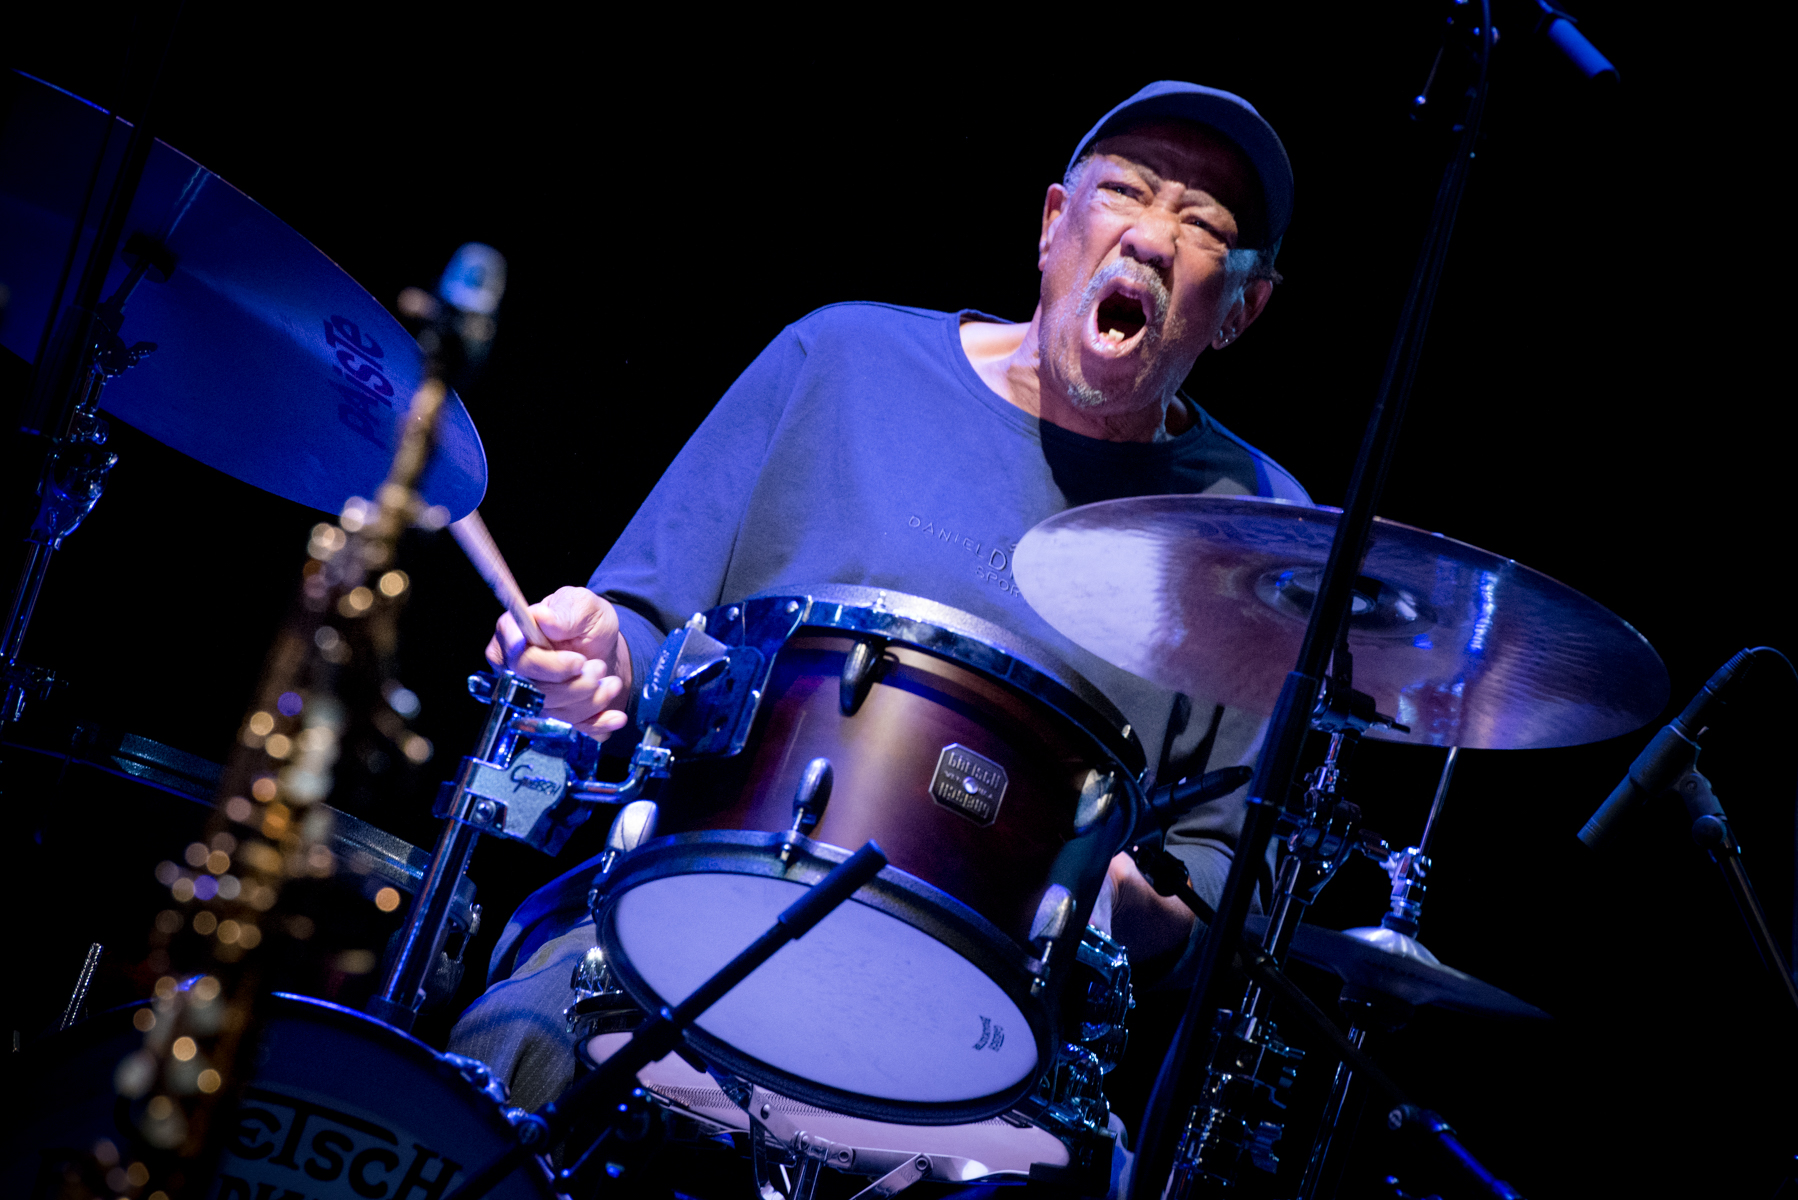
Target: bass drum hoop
<point>93,1042</point>
<point>894,893</point>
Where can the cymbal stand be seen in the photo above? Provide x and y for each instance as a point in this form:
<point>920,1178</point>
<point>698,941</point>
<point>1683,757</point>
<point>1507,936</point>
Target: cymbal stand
<point>74,471</point>
<point>1239,1110</point>
<point>1167,875</point>
<point>1277,766</point>
<point>74,365</point>
<point>1408,868</point>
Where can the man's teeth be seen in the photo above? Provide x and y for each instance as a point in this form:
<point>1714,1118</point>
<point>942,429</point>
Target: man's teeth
<point>1114,336</point>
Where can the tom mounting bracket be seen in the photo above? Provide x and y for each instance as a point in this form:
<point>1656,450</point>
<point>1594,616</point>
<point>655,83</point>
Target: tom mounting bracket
<point>531,786</point>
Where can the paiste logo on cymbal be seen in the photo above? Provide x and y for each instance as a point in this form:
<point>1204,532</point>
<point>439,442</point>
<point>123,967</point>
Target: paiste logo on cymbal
<point>365,387</point>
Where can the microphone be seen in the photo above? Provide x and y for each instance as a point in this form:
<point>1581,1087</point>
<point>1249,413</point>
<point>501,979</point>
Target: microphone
<point>1170,802</point>
<point>1562,32</point>
<point>1670,755</point>
<point>457,324</point>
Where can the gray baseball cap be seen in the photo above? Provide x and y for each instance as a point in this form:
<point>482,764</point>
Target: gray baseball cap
<point>1232,117</point>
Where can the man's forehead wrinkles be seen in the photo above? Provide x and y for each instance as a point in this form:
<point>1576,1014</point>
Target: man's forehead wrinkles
<point>1195,194</point>
<point>1130,162</point>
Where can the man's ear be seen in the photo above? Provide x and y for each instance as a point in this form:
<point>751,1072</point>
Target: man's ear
<point>1055,207</point>
<point>1242,314</point>
<point>1255,295</point>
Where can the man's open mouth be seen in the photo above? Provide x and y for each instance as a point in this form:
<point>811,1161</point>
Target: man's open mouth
<point>1126,311</point>
<point>1121,317</point>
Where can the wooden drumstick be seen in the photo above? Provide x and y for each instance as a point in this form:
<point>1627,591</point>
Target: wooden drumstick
<point>471,534</point>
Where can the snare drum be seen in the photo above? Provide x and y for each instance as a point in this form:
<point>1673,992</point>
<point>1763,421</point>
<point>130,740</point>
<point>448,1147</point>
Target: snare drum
<point>998,782</point>
<point>338,1107</point>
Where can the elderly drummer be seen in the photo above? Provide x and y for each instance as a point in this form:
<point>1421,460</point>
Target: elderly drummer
<point>909,450</point>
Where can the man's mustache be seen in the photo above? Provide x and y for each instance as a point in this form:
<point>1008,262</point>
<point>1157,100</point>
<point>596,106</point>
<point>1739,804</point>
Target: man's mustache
<point>1138,273</point>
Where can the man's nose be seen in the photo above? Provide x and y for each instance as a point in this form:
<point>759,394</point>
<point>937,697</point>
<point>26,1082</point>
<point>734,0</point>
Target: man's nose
<point>1150,239</point>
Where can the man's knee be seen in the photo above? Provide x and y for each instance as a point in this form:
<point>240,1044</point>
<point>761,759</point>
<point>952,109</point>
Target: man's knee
<point>517,1026</point>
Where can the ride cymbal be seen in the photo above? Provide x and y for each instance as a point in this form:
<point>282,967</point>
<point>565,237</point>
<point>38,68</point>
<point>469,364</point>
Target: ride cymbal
<point>1209,595</point>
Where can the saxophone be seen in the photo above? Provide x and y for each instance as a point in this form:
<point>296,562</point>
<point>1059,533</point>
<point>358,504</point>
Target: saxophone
<point>247,908</point>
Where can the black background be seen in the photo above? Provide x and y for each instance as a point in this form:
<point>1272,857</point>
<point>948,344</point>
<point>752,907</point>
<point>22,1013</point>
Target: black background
<point>1597,401</point>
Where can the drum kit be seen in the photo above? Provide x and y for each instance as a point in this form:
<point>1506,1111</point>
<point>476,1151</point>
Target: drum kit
<point>954,1021</point>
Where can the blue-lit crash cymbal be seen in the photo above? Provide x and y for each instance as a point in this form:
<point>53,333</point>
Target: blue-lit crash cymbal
<point>271,364</point>
<point>1209,595</point>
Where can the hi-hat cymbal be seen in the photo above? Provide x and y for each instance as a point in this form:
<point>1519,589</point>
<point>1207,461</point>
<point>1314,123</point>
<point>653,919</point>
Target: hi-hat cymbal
<point>271,364</point>
<point>1209,595</point>
<point>1389,962</point>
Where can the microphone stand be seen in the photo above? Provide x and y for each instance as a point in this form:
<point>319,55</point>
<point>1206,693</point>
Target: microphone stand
<point>1277,765</point>
<point>1669,764</point>
<point>1711,830</point>
<point>617,1076</point>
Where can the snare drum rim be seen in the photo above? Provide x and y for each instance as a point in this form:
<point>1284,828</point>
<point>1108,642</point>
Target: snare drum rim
<point>893,892</point>
<point>972,642</point>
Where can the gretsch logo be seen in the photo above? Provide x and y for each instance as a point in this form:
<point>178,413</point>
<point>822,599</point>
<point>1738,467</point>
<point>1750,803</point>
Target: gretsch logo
<point>971,784</point>
<point>285,1148</point>
<point>525,779</point>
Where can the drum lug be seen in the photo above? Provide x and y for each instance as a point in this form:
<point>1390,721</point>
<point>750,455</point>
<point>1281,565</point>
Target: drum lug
<point>809,799</point>
<point>860,668</point>
<point>634,825</point>
<point>1098,794</point>
<point>1053,913</point>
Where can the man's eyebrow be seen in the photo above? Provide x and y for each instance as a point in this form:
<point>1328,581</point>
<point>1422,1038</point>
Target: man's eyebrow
<point>1193,196</point>
<point>1202,198</point>
<point>1119,162</point>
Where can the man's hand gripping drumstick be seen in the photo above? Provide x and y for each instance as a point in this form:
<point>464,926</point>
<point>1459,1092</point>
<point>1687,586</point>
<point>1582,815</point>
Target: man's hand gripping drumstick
<point>568,644</point>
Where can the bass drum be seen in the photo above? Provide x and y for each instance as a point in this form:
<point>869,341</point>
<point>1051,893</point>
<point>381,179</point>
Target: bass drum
<point>998,782</point>
<point>338,1107</point>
